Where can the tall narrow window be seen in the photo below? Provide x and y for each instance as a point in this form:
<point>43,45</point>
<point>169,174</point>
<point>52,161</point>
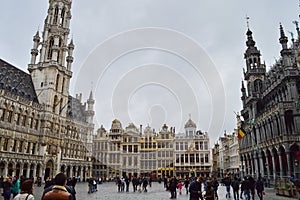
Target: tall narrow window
<point>63,85</point>
<point>50,50</point>
<point>21,146</point>
<point>28,147</point>
<point>59,53</point>
<point>5,145</point>
<point>55,103</point>
<point>14,146</point>
<point>33,149</point>
<point>55,15</point>
<point>57,82</point>
<point>62,19</point>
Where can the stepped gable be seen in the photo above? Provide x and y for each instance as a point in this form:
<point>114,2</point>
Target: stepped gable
<point>16,81</point>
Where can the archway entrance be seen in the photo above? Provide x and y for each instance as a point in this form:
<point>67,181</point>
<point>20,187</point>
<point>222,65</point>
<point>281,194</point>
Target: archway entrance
<point>2,169</point>
<point>49,169</point>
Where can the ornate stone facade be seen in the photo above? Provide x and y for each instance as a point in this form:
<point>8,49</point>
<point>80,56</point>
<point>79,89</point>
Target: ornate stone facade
<point>132,151</point>
<point>43,129</point>
<point>192,152</point>
<point>270,114</point>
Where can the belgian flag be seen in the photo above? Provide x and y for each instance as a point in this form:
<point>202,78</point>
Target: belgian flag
<point>241,133</point>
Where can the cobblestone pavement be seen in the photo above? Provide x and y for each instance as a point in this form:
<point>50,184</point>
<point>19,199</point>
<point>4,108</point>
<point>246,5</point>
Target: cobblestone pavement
<point>108,191</point>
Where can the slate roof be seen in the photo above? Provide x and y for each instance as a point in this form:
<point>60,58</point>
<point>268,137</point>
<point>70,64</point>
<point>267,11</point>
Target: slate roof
<point>16,81</point>
<point>75,109</point>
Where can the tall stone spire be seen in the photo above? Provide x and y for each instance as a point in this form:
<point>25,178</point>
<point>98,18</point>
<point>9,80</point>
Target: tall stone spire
<point>52,73</point>
<point>90,109</point>
<point>285,52</point>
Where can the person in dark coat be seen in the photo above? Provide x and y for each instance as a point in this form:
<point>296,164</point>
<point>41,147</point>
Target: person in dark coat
<point>252,186</point>
<point>259,188</point>
<point>145,184</point>
<point>235,187</point>
<point>127,181</point>
<point>7,188</point>
<point>245,187</point>
<point>227,182</point>
<point>215,185</point>
<point>68,188</point>
<point>195,190</point>
<point>172,187</point>
<point>134,183</point>
<point>209,191</point>
<point>186,184</point>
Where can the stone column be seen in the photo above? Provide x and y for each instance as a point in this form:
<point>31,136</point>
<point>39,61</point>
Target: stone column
<point>268,170</point>
<point>34,170</point>
<point>14,169</point>
<point>282,123</point>
<point>280,165</point>
<point>21,169</point>
<point>41,171</point>
<point>5,169</point>
<point>28,171</point>
<point>81,173</point>
<point>274,166</point>
<point>255,165</point>
<point>261,165</point>
<point>288,159</point>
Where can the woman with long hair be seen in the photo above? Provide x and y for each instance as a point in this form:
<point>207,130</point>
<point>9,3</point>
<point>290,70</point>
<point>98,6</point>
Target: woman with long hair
<point>26,191</point>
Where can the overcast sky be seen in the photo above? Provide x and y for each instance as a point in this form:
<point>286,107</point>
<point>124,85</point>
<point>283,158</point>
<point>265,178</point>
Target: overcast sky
<point>153,61</point>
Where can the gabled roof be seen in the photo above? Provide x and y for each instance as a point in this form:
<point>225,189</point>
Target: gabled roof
<point>16,81</point>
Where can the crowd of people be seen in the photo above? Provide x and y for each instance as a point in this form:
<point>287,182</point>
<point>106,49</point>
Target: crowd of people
<point>21,188</point>
<point>61,187</point>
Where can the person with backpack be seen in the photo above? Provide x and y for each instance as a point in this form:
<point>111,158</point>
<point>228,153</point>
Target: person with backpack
<point>259,188</point>
<point>235,187</point>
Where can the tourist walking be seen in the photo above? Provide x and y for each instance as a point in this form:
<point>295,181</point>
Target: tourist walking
<point>259,188</point>
<point>26,191</point>
<point>235,187</point>
<point>245,187</point>
<point>15,186</point>
<point>7,188</point>
<point>134,183</point>
<point>145,184</point>
<point>227,182</point>
<point>195,190</point>
<point>172,187</point>
<point>209,191</point>
<point>252,186</point>
<point>127,182</point>
<point>215,185</point>
<point>186,184</point>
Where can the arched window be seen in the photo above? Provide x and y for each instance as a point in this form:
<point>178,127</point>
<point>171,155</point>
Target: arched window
<point>289,121</point>
<point>59,53</point>
<point>55,15</point>
<point>55,103</point>
<point>24,120</point>
<point>62,19</point>
<point>50,50</point>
